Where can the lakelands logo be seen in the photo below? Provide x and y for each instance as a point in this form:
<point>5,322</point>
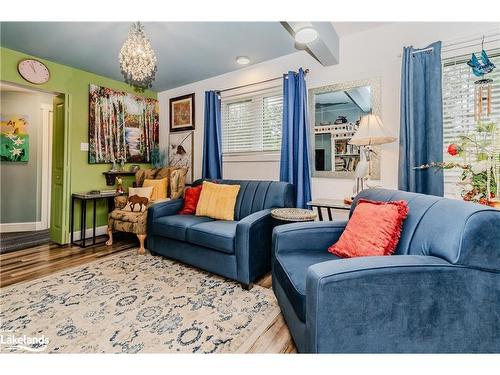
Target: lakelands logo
<point>11,341</point>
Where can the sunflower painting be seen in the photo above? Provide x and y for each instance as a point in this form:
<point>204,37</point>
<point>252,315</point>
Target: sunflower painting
<point>14,138</point>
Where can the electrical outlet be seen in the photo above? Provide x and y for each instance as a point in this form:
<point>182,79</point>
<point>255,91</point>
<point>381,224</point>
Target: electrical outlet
<point>84,146</point>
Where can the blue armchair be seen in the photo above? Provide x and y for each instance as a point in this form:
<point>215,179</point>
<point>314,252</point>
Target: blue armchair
<point>439,293</point>
<point>239,249</point>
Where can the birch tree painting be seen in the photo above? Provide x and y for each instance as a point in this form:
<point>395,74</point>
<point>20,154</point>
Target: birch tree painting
<point>122,126</point>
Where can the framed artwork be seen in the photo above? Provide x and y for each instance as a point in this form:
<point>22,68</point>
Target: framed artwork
<point>182,113</point>
<point>180,152</point>
<point>122,127</point>
<point>14,138</point>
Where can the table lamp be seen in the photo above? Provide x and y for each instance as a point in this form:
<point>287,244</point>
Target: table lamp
<point>370,133</point>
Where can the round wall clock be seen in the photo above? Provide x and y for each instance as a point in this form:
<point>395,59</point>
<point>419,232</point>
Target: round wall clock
<point>33,71</point>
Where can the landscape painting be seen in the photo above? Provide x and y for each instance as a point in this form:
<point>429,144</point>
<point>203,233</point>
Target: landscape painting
<point>122,127</point>
<point>14,138</point>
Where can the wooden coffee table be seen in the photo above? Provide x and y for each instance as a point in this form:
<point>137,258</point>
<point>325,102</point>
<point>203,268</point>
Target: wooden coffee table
<point>293,215</point>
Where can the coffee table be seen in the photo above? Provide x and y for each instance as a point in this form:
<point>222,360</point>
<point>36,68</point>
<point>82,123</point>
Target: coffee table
<point>329,204</point>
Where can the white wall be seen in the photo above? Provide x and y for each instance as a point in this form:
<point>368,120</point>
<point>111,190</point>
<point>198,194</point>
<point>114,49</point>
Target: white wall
<point>370,54</point>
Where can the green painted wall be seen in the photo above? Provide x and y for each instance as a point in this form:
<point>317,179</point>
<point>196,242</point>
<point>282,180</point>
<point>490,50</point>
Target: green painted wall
<point>75,82</point>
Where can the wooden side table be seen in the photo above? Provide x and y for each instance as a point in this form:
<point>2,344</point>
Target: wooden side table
<point>329,204</point>
<point>83,198</point>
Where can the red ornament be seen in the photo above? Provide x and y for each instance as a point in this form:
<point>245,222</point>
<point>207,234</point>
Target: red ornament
<point>453,149</point>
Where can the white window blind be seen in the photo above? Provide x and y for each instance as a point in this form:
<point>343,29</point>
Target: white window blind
<point>252,122</point>
<point>458,109</point>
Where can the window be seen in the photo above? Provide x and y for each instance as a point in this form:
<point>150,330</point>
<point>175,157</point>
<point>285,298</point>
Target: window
<point>458,108</point>
<point>252,123</point>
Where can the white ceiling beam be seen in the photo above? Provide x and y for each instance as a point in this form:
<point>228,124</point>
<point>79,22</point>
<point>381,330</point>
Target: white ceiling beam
<point>325,48</point>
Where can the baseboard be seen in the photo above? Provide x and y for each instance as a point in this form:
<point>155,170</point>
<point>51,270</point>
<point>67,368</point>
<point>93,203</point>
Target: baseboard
<point>88,232</point>
<point>21,227</point>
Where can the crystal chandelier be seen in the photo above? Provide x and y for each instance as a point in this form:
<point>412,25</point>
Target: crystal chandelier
<point>137,58</point>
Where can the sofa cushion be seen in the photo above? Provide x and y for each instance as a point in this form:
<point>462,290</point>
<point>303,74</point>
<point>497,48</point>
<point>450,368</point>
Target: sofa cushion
<point>175,226</point>
<point>218,235</point>
<point>291,269</point>
<point>127,216</point>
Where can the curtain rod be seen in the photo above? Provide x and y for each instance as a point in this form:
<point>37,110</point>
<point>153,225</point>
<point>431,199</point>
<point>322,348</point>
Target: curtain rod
<point>446,46</point>
<point>257,83</point>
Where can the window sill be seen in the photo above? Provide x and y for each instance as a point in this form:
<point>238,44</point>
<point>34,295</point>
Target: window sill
<point>248,157</point>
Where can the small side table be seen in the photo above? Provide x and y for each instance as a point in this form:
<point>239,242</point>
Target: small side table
<point>293,215</point>
<point>329,204</point>
<point>83,198</point>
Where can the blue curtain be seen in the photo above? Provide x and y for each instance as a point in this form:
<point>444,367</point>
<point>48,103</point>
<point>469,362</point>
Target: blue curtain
<point>212,143</point>
<point>294,165</point>
<point>421,133</point>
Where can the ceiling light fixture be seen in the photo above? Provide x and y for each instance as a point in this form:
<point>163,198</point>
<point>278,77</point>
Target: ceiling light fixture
<point>243,60</point>
<point>137,58</point>
<point>306,35</point>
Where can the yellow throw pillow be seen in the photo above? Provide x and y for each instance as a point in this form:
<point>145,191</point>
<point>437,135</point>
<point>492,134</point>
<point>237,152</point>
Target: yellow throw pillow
<point>217,201</point>
<point>138,199</point>
<point>159,188</point>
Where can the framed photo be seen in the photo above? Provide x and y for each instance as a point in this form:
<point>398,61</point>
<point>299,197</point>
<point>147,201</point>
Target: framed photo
<point>180,152</point>
<point>182,113</point>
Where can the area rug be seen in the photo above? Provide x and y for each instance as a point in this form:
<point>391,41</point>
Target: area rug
<point>128,303</point>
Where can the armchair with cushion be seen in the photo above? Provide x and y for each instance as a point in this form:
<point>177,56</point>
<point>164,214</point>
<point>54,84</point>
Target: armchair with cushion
<point>238,249</point>
<point>136,222</point>
<point>439,293</point>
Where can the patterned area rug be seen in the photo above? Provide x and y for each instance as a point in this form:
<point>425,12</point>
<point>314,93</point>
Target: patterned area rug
<point>133,304</point>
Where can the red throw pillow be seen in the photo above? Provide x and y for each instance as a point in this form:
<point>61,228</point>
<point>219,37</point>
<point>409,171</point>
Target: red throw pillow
<point>374,229</point>
<point>191,198</point>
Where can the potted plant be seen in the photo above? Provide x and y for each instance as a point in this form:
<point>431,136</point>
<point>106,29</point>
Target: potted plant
<point>480,164</point>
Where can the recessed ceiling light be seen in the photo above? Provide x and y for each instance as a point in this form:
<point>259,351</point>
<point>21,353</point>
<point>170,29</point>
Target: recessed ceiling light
<point>306,35</point>
<point>243,60</point>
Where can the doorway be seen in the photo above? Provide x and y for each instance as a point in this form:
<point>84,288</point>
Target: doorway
<point>29,126</point>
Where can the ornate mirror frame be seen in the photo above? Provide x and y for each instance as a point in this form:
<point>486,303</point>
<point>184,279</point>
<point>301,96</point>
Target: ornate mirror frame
<point>374,84</point>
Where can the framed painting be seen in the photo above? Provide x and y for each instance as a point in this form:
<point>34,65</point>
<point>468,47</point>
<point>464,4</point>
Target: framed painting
<point>182,115</point>
<point>14,138</point>
<point>180,152</point>
<point>122,127</point>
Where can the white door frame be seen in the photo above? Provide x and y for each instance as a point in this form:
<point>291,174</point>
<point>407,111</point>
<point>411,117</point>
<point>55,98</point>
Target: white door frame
<point>45,153</point>
<point>47,121</point>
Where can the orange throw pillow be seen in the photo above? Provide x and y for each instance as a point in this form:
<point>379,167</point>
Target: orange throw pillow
<point>191,198</point>
<point>374,229</point>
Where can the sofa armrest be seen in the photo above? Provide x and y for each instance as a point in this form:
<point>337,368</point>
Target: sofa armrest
<point>253,245</point>
<point>164,208</point>
<point>401,303</point>
<point>317,235</point>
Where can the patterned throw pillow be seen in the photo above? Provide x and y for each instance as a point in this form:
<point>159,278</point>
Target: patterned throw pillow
<point>138,199</point>
<point>374,229</point>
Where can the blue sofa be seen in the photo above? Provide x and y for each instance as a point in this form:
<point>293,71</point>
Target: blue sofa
<point>239,249</point>
<point>439,294</point>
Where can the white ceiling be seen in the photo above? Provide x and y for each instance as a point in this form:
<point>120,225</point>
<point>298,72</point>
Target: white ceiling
<point>349,28</point>
<point>186,51</point>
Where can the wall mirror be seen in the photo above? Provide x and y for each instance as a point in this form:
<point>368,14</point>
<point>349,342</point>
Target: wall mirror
<point>335,111</point>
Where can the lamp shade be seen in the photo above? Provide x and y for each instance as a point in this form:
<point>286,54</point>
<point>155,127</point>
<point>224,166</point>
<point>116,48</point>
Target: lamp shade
<point>370,132</point>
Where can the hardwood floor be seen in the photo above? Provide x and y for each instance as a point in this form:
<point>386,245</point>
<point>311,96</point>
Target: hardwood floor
<point>43,260</point>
